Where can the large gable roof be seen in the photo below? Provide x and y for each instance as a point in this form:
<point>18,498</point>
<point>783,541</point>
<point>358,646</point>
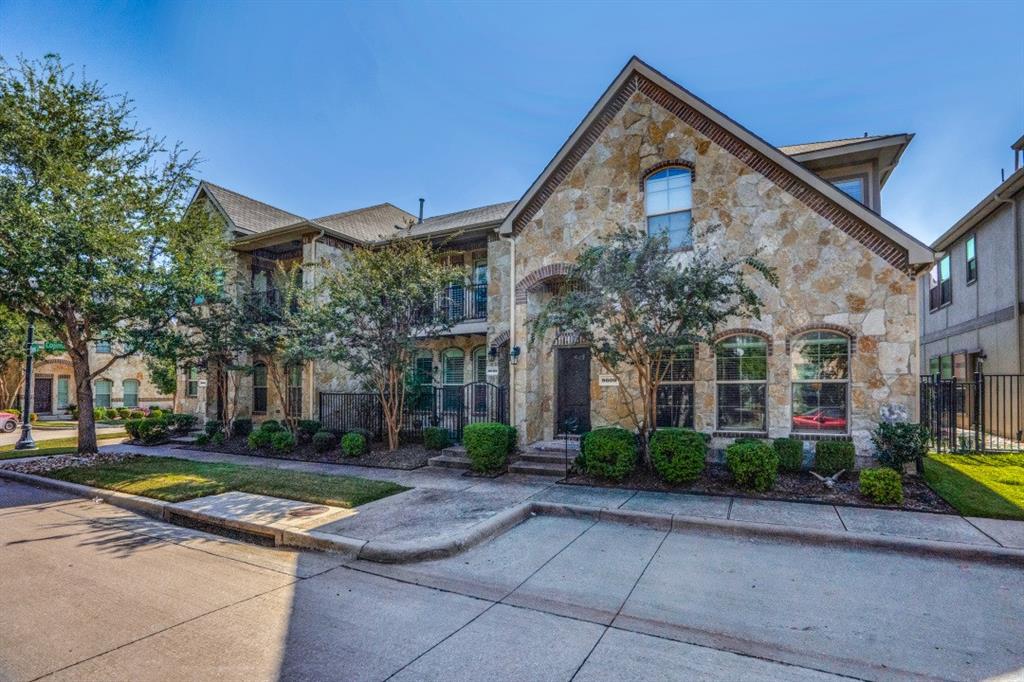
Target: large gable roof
<point>369,224</point>
<point>245,213</point>
<point>896,246</point>
<point>469,219</point>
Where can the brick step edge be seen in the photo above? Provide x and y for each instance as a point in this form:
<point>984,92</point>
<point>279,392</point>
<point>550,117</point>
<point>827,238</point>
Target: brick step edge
<point>450,545</point>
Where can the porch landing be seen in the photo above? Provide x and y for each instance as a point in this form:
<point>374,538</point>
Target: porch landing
<point>541,458</point>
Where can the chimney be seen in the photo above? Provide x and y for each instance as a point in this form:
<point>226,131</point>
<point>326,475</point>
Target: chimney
<point>421,211</point>
<point>1018,150</point>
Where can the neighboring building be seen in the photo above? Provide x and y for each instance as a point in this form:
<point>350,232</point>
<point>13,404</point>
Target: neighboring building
<point>971,300</point>
<point>126,383</point>
<point>837,342</point>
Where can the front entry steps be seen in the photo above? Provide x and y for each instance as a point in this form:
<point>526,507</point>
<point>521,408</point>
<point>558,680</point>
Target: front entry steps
<point>543,458</point>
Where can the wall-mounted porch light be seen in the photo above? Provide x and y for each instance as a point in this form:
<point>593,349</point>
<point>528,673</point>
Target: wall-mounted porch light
<point>514,355</point>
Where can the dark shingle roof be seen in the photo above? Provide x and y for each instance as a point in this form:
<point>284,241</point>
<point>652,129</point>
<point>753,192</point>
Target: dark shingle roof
<point>247,213</point>
<point>369,224</point>
<point>460,220</point>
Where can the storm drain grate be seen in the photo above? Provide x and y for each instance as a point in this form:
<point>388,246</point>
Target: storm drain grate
<point>262,539</point>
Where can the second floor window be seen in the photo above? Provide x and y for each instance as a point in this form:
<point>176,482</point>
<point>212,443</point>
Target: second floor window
<point>972,261</point>
<point>852,186</point>
<point>103,346</point>
<point>669,203</point>
<point>940,285</point>
<point>259,388</point>
<point>192,385</point>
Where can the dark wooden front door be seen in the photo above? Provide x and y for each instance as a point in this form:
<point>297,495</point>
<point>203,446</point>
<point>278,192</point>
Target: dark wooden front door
<point>572,381</point>
<point>42,398</point>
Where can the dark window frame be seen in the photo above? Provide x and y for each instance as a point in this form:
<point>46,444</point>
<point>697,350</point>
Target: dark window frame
<point>259,391</point>
<point>971,262</point>
<point>940,291</point>
<point>742,384</point>
<point>650,175</point>
<point>676,391</point>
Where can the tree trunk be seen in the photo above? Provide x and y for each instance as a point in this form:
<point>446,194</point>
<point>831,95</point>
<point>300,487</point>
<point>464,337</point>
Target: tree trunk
<point>83,393</point>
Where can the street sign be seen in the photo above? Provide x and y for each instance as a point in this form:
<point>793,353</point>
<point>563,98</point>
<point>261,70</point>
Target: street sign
<point>48,346</point>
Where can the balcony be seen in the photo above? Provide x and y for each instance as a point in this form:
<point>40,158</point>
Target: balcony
<point>262,306</point>
<point>464,306</point>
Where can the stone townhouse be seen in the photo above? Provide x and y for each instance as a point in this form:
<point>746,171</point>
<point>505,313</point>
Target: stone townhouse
<point>835,348</point>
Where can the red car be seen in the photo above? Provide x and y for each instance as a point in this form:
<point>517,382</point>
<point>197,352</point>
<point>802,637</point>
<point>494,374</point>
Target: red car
<point>8,422</point>
<point>822,419</point>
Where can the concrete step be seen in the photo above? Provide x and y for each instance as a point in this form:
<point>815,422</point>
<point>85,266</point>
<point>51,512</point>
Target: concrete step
<point>553,469</point>
<point>183,440</point>
<point>571,436</point>
<point>449,462</point>
<point>554,446</point>
<point>546,456</point>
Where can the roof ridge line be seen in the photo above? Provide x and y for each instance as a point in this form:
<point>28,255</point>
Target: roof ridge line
<point>249,198</point>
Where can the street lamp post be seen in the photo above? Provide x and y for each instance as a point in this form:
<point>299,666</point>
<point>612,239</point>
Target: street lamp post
<point>26,442</point>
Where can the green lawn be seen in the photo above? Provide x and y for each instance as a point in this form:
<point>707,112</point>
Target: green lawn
<point>979,485</point>
<point>54,446</point>
<point>174,480</point>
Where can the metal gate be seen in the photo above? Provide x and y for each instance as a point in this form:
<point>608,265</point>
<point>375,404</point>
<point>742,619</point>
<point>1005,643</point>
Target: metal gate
<point>985,414</point>
<point>448,407</point>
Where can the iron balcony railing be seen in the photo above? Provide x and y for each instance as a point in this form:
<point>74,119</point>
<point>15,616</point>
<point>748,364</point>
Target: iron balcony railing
<point>460,303</point>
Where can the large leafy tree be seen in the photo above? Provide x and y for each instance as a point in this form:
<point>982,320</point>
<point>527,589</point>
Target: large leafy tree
<point>636,304</point>
<point>95,238</point>
<point>377,310</point>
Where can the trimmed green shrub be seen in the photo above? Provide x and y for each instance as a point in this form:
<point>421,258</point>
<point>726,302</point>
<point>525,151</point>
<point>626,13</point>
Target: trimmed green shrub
<point>218,438</point>
<point>435,438</point>
<point>73,409</point>
<point>307,429</point>
<point>608,452</point>
<point>137,414</point>
<point>124,412</point>
<point>213,426</point>
<point>153,430</point>
<point>753,465</point>
<point>488,446</point>
<point>241,428</point>
<point>282,441</point>
<point>324,441</point>
<point>790,452</point>
<point>259,438</point>
<point>744,440</point>
<point>881,485</point>
<point>271,426</point>
<point>353,444</point>
<point>133,427</point>
<point>678,454</point>
<point>202,439</point>
<point>182,423</point>
<point>831,456</point>
<point>900,443</point>
<point>99,413</point>
<point>156,412</point>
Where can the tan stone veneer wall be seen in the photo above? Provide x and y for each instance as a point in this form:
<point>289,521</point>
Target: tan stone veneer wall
<point>827,278</point>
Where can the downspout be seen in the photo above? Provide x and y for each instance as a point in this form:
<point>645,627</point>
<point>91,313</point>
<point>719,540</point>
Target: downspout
<point>511,326</point>
<point>311,365</point>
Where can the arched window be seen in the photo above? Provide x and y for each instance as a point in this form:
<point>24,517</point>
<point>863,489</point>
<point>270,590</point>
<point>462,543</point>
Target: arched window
<point>742,374</point>
<point>102,388</point>
<point>675,392</point>
<point>130,391</point>
<point>668,202</point>
<point>259,388</point>
<point>453,375</point>
<point>821,382</point>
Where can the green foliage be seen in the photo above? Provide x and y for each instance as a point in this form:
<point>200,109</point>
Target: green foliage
<point>881,485</point>
<point>435,438</point>
<point>488,445</point>
<point>33,418</point>
<point>790,452</point>
<point>282,441</point>
<point>900,443</point>
<point>638,305</point>
<point>218,438</point>
<point>99,413</point>
<point>373,314</point>
<point>832,456</point>
<point>73,409</point>
<point>307,428</point>
<point>202,439</point>
<point>260,438</point>
<point>136,414</point>
<point>353,444</point>
<point>163,373</point>
<point>753,465</point>
<point>241,428</point>
<point>271,425</point>
<point>153,430</point>
<point>746,440</point>
<point>123,413</point>
<point>96,238</point>
<point>155,412</point>
<point>678,455</point>
<point>213,426</point>
<point>133,427</point>
<point>15,411</point>
<point>181,423</point>
<point>608,452</point>
<point>324,441</point>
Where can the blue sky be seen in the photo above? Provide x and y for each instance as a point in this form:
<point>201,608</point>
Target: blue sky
<point>323,107</point>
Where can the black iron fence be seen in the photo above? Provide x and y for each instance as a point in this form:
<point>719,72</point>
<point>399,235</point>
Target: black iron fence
<point>460,303</point>
<point>448,407</point>
<point>985,414</point>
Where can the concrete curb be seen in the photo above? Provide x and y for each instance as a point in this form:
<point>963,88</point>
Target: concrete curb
<point>450,545</point>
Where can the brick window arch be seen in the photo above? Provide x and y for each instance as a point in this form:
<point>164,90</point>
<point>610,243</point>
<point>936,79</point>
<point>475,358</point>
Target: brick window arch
<point>539,277</point>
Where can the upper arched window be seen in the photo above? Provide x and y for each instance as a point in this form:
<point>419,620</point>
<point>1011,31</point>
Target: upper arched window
<point>821,382</point>
<point>668,201</point>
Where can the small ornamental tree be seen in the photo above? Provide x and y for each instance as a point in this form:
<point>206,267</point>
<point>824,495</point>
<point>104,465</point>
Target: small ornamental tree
<point>636,304</point>
<point>95,238</point>
<point>376,310</point>
<point>13,334</point>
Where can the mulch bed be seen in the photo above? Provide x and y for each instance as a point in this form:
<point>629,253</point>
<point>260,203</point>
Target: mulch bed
<point>800,487</point>
<point>407,456</point>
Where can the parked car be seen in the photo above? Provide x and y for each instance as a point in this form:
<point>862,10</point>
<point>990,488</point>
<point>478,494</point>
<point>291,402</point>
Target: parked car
<point>822,419</point>
<point>8,421</point>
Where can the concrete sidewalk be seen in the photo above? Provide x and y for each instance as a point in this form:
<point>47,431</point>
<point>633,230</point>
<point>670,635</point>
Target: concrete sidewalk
<point>447,512</point>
